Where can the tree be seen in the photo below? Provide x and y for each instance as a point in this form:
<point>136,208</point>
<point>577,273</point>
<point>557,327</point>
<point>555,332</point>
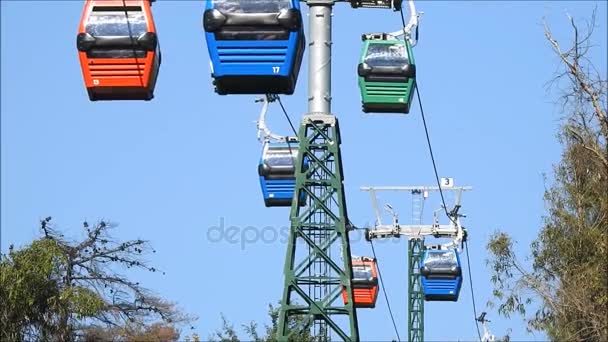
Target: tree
<point>157,332</point>
<point>29,291</point>
<point>56,289</point>
<point>228,334</point>
<point>565,291</point>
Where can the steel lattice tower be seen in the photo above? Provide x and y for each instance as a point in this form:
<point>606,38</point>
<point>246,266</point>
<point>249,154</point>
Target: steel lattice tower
<point>318,261</point>
<point>415,302</point>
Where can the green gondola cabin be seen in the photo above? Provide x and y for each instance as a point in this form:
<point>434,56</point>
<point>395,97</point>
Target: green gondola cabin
<point>387,74</point>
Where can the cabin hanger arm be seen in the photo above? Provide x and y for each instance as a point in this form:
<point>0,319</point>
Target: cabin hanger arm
<point>412,25</point>
<point>264,133</point>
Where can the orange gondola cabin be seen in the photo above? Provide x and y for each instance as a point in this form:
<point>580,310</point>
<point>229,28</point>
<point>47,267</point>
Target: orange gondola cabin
<point>365,283</point>
<point>118,49</point>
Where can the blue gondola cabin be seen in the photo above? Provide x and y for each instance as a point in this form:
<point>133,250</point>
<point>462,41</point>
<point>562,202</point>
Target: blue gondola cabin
<point>441,275</point>
<point>255,46</point>
<point>277,173</point>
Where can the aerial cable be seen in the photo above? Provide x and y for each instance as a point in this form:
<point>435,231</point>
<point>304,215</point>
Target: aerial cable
<point>287,117</point>
<point>388,304</point>
<point>428,140</point>
<point>124,5</point>
<point>445,208</point>
<point>472,291</point>
<point>295,133</point>
<point>487,334</point>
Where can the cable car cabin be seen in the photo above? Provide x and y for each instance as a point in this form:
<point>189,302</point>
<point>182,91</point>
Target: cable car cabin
<point>118,50</point>
<point>255,46</point>
<point>441,275</point>
<point>365,283</point>
<point>387,74</point>
<point>277,173</point>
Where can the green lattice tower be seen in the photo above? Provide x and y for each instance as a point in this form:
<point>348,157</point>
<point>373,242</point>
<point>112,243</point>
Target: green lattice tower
<point>318,261</point>
<point>415,303</point>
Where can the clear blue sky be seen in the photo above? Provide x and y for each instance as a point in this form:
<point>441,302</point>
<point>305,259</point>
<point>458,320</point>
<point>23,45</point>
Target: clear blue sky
<point>169,169</point>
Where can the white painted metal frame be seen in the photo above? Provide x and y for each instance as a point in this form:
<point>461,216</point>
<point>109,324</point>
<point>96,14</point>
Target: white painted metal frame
<point>264,133</point>
<point>411,25</point>
<point>451,230</point>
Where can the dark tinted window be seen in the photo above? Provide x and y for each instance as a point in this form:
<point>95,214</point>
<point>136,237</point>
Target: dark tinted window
<point>386,55</point>
<point>119,23</point>
<point>252,33</point>
<point>116,53</point>
<point>441,259</point>
<point>251,6</point>
<point>281,156</point>
<point>362,272</point>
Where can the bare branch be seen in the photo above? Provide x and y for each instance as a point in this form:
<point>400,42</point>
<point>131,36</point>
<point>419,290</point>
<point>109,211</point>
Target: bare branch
<point>572,61</point>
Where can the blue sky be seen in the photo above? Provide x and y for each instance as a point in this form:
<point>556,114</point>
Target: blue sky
<point>170,169</point>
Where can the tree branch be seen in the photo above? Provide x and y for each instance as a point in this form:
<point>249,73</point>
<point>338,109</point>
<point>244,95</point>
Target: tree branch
<point>574,69</point>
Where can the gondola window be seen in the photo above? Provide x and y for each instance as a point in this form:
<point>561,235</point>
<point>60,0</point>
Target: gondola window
<point>379,55</point>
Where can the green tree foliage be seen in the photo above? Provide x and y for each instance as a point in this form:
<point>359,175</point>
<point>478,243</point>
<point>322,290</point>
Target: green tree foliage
<point>58,290</point>
<point>228,333</point>
<point>29,292</point>
<point>157,332</point>
<point>565,290</point>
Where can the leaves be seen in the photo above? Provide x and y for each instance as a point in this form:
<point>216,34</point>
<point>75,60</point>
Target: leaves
<point>82,302</point>
<point>156,332</point>
<point>29,285</point>
<point>228,334</point>
<point>54,285</point>
<point>564,291</point>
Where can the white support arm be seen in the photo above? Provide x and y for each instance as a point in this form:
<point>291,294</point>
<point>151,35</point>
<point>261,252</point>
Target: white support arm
<point>411,25</point>
<point>264,133</point>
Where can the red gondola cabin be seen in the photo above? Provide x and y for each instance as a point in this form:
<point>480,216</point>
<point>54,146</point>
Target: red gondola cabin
<point>365,283</point>
<point>118,49</point>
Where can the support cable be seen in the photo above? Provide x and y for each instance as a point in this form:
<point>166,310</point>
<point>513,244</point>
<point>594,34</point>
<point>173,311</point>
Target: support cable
<point>472,291</point>
<point>296,134</point>
<point>388,304</point>
<point>402,18</point>
<point>133,42</point>
<point>288,118</point>
<point>269,98</point>
<point>445,208</point>
<point>290,124</point>
<point>428,140</point>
